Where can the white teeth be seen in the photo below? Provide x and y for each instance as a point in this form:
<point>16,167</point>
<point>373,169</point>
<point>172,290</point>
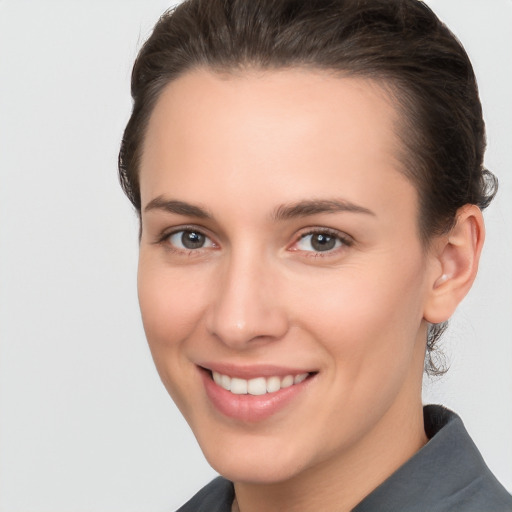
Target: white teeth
<point>258,385</point>
<point>225,382</point>
<point>287,381</point>
<point>299,378</point>
<point>238,386</point>
<point>273,384</point>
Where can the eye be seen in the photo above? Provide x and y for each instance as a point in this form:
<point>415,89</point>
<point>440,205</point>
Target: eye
<point>189,239</point>
<point>320,241</point>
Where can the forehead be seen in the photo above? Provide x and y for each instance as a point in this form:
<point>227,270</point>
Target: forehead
<point>253,102</point>
<point>257,131</point>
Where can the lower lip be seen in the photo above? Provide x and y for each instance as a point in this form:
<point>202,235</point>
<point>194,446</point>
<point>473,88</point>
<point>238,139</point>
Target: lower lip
<point>250,408</point>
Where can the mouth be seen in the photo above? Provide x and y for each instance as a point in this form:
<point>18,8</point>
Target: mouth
<point>258,385</point>
<point>251,395</point>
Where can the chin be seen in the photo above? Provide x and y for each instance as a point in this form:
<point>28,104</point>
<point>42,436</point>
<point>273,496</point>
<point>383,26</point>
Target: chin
<point>257,461</point>
<point>247,471</point>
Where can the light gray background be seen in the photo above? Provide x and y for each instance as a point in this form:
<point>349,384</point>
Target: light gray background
<point>85,424</point>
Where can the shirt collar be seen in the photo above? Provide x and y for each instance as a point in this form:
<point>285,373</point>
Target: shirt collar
<point>449,462</point>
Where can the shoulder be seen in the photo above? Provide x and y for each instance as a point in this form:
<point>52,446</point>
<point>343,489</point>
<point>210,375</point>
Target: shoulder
<point>217,496</point>
<point>447,474</point>
<point>470,484</point>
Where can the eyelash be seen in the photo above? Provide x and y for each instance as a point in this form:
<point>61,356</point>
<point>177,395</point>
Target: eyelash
<point>345,240</point>
<point>164,239</point>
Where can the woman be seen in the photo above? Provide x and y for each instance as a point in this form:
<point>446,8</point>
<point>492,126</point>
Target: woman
<point>309,181</point>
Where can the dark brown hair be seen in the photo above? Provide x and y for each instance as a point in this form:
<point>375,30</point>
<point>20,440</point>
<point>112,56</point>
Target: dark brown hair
<point>400,44</point>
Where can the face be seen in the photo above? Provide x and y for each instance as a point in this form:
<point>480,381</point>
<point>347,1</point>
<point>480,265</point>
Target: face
<point>282,280</point>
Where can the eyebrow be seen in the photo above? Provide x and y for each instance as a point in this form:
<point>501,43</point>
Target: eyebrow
<point>303,208</point>
<point>317,206</point>
<point>177,207</point>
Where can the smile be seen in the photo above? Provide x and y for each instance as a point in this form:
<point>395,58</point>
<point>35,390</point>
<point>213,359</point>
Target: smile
<point>253,394</point>
<point>258,385</point>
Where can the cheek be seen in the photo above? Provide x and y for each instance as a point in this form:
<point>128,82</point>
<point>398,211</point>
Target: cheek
<point>171,309</point>
<point>367,322</point>
<point>369,316</point>
<point>171,305</point>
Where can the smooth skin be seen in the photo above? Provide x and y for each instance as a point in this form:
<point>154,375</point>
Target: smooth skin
<point>257,288</point>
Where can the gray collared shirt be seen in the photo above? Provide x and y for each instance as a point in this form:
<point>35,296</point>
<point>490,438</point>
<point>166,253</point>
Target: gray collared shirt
<point>447,474</point>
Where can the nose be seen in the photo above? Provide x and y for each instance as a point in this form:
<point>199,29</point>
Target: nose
<point>245,309</point>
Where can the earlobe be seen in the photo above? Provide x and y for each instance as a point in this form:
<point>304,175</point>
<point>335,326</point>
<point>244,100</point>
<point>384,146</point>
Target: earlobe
<point>455,264</point>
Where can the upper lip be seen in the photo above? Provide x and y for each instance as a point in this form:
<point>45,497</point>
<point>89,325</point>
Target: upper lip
<point>252,371</point>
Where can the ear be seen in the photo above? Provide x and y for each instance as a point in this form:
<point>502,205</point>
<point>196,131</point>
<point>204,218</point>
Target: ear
<point>453,263</point>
